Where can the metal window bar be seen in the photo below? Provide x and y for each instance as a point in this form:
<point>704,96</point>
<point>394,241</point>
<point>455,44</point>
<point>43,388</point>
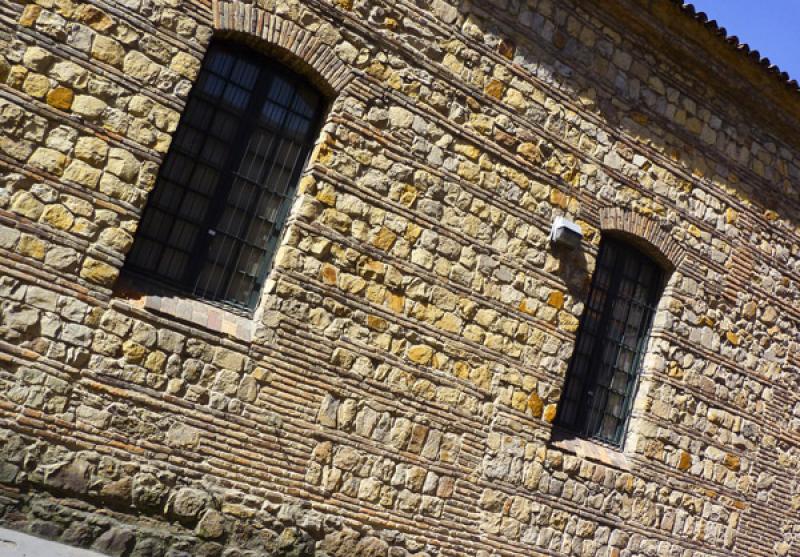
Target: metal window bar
<point>226,186</point>
<point>612,337</point>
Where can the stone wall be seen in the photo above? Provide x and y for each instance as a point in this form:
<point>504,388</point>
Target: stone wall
<point>395,390</point>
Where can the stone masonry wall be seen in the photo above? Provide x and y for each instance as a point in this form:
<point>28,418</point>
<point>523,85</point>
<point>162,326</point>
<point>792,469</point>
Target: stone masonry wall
<point>395,390</point>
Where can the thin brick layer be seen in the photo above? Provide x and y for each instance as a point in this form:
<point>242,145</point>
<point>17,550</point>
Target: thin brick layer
<point>395,390</point>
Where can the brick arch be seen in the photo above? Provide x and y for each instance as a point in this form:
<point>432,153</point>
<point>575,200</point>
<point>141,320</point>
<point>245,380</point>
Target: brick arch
<point>287,41</point>
<point>647,233</point>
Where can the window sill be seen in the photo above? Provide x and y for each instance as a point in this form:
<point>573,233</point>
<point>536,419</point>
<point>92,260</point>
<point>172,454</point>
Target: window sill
<point>193,312</point>
<point>591,450</point>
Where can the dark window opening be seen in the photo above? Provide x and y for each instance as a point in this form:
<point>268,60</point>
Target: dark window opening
<point>213,220</point>
<point>610,345</point>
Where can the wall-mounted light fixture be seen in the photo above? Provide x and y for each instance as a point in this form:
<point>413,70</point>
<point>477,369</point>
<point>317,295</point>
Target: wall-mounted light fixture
<point>565,233</point>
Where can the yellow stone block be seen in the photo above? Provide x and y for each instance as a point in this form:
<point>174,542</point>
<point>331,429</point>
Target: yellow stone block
<point>61,98</point>
<point>469,171</point>
<point>494,89</point>
<point>58,217</point>
<point>515,99</point>
<point>732,462</point>
<point>535,405</point>
<point>155,361</point>
<point>328,274</point>
<point>377,323</point>
<point>409,195</point>
<point>36,85</point>
<point>106,49</point>
<point>467,149</point>
<point>420,354</point>
<point>133,351</point>
<point>567,322</point>
<point>29,15</point>
<point>556,299</point>
<point>519,401</point>
<point>31,246</point>
<point>327,195</point>
<point>384,239</point>
<point>684,461</point>
<point>413,232</point>
<point>25,204</point>
<point>185,64</point>
<point>94,17</point>
<point>99,272</point>
<point>530,151</point>
<point>395,302</point>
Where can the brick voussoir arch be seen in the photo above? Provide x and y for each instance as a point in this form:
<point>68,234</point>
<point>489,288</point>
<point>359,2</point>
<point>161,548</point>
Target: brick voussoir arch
<point>648,233</point>
<point>287,40</point>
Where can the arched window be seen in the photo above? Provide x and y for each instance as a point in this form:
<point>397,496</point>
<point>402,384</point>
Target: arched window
<point>611,341</point>
<point>213,220</point>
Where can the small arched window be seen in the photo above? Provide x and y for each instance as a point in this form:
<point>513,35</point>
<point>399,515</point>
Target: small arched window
<point>611,341</point>
<point>213,220</point>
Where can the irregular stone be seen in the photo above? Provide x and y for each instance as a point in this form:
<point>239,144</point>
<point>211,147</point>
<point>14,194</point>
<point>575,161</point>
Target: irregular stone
<point>188,503</point>
<point>115,541</point>
<point>147,492</point>
<point>48,160</point>
<point>72,478</point>
<point>36,85</point>
<point>58,217</point>
<point>25,204</point>
<point>99,272</point>
<point>88,106</point>
<point>83,174</point>
<point>185,64</point>
<point>328,411</point>
<point>105,49</point>
<point>117,493</point>
<point>60,97</point>
<point>122,164</point>
<point>92,150</point>
<point>211,525</point>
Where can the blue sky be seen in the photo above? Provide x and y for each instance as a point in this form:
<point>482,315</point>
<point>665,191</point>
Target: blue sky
<point>772,27</point>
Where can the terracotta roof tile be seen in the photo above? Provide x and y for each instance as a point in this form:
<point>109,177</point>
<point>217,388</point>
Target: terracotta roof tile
<point>733,40</point>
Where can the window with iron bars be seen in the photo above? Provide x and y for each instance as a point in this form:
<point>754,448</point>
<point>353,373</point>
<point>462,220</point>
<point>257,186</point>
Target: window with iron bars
<point>224,190</point>
<point>610,345</point>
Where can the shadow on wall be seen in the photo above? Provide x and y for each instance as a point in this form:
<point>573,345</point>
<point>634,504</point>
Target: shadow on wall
<point>16,544</point>
<point>638,108</point>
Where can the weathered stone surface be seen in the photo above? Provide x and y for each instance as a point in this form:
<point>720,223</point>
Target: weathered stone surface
<point>395,391</point>
<point>60,97</point>
<point>188,503</point>
<point>116,542</point>
<point>211,525</point>
<point>147,491</point>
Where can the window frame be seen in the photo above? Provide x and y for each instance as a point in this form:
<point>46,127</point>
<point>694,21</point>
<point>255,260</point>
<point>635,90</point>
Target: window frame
<point>247,125</point>
<point>588,415</point>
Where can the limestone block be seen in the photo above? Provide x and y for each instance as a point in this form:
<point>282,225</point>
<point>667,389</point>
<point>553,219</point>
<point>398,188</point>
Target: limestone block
<point>48,160</point>
<point>185,64</point>
<point>106,49</point>
<point>57,216</point>
<point>81,173</point>
<point>27,205</point>
<point>60,97</point>
<point>88,106</point>
<point>99,272</point>
<point>92,150</point>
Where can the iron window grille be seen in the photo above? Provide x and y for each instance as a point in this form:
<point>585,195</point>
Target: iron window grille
<point>610,345</point>
<point>214,218</point>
